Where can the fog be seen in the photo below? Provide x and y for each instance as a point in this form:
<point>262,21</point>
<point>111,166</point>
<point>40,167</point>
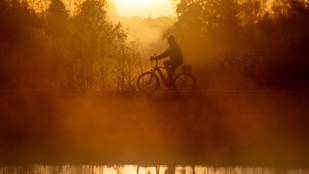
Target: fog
<point>68,90</point>
<point>261,129</point>
<point>149,32</point>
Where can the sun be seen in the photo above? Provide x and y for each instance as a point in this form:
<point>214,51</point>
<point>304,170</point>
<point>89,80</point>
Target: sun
<point>144,8</point>
<point>135,1</point>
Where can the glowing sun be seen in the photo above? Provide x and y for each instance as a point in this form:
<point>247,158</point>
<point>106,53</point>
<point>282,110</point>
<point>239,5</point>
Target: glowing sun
<point>144,8</point>
<point>135,1</point>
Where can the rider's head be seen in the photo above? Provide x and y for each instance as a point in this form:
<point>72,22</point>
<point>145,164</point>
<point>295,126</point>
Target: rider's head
<point>171,39</point>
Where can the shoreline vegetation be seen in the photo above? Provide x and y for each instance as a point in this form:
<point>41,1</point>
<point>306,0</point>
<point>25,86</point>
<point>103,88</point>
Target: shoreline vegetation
<point>150,169</point>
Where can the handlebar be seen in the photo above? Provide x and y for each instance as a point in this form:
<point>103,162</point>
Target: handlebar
<point>156,60</point>
<point>152,58</point>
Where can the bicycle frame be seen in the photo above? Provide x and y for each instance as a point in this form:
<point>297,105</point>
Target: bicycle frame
<point>157,68</point>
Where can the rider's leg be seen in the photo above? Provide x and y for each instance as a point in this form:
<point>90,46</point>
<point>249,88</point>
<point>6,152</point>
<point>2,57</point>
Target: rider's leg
<point>169,68</point>
<point>173,69</point>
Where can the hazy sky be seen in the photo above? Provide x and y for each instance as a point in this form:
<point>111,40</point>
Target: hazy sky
<point>144,8</point>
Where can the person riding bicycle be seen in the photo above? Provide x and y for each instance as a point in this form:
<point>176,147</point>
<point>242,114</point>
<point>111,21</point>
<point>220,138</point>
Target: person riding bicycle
<point>176,58</point>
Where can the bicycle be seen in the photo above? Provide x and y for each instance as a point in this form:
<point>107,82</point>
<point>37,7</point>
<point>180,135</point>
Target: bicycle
<point>183,82</point>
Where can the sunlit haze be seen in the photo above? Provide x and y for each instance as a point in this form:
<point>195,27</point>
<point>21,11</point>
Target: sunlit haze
<point>144,8</point>
<point>100,86</point>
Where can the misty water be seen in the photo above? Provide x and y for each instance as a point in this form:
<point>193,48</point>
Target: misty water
<point>100,133</point>
<point>136,169</point>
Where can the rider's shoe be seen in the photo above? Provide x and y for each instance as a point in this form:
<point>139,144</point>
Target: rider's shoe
<point>170,85</point>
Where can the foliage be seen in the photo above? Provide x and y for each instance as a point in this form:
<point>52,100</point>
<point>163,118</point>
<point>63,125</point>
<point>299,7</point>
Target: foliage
<point>230,43</point>
<point>251,69</point>
<point>274,35</point>
<point>54,50</point>
<point>20,49</point>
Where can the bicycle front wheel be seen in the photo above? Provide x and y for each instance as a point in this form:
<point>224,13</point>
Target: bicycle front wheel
<point>184,83</point>
<point>148,82</point>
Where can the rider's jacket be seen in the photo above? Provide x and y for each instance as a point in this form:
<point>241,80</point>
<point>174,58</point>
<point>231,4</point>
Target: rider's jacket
<point>174,52</point>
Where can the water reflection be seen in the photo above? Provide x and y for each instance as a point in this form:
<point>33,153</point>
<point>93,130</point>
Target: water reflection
<point>135,169</point>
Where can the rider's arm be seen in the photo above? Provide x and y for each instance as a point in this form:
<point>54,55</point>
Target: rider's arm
<point>165,54</point>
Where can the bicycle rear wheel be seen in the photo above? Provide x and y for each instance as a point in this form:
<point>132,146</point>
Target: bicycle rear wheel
<point>148,82</point>
<point>184,83</point>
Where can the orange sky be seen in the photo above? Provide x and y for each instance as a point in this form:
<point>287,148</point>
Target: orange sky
<point>144,8</point>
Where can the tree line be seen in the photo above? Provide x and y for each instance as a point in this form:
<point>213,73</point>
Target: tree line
<point>54,50</point>
<point>232,45</point>
<point>246,44</point>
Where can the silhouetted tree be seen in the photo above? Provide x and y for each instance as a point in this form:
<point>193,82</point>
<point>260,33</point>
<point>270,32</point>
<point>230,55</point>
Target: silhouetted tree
<point>126,68</point>
<point>283,39</point>
<point>274,37</point>
<point>57,42</point>
<point>95,41</point>
<point>58,51</point>
<point>20,49</point>
<point>198,20</point>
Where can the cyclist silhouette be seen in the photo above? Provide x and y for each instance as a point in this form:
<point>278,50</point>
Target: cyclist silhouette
<point>176,58</point>
<point>182,82</point>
